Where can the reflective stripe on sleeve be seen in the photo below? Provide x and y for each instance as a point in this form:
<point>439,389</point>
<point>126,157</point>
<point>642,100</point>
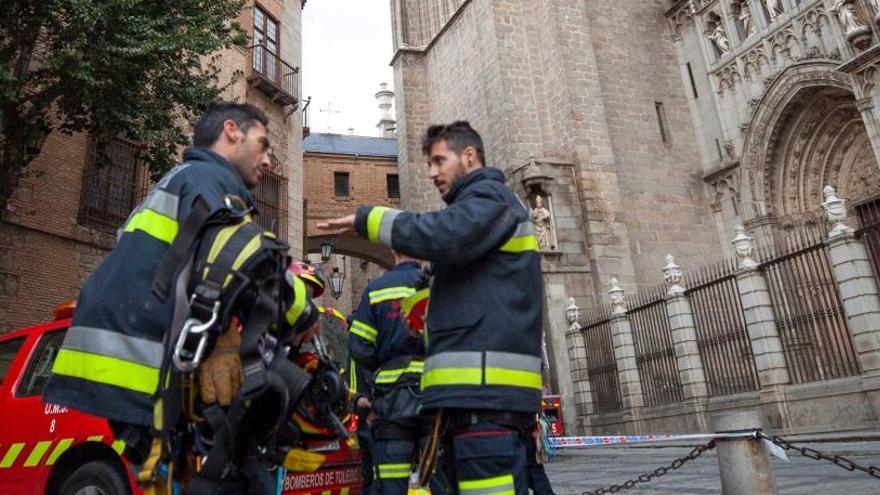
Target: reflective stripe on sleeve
<point>522,240</point>
<point>499,485</point>
<point>392,375</point>
<point>364,331</point>
<point>114,344</point>
<point>379,224</point>
<point>154,224</point>
<point>352,376</point>
<point>390,293</point>
<point>107,370</point>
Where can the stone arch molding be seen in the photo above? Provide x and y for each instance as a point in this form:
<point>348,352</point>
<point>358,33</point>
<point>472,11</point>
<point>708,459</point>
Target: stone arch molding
<point>785,134</point>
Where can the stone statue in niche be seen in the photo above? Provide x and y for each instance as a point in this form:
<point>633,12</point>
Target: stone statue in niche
<point>848,17</point>
<point>774,8</point>
<point>719,37</point>
<point>745,17</point>
<point>542,220</point>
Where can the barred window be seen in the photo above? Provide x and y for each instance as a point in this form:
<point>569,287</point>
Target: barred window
<point>340,184</point>
<point>392,182</point>
<point>110,187</point>
<point>271,198</point>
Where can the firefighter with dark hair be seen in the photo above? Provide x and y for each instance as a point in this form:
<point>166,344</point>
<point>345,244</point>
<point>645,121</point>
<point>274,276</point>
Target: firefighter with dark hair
<point>189,319</point>
<point>482,370</point>
<point>393,360</point>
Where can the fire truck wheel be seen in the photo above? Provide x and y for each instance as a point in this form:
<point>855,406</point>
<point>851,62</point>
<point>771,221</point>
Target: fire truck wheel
<point>95,478</point>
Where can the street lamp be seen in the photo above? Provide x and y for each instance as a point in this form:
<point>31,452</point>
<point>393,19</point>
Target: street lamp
<point>336,279</point>
<point>326,250</point>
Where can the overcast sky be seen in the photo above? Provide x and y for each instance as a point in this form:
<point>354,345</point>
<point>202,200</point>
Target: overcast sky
<point>346,52</point>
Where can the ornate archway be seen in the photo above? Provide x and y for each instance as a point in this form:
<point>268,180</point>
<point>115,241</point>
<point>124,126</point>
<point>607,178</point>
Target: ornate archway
<point>806,133</point>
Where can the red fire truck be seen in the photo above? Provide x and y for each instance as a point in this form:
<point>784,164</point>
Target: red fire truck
<point>49,449</point>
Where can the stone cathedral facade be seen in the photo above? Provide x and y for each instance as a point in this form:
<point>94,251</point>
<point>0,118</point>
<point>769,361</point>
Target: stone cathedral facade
<point>636,129</point>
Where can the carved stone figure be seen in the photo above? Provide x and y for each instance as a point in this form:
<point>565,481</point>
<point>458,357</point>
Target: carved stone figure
<point>745,17</point>
<point>774,8</point>
<point>673,275</point>
<point>875,4</point>
<point>835,212</point>
<point>543,222</point>
<point>573,314</point>
<point>848,17</point>
<point>744,245</point>
<point>617,296</point>
<point>719,37</point>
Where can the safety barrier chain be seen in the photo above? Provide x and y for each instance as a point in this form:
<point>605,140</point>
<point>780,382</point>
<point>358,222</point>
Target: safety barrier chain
<point>819,456</point>
<point>660,471</point>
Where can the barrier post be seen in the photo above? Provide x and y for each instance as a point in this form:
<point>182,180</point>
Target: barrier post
<point>744,464</point>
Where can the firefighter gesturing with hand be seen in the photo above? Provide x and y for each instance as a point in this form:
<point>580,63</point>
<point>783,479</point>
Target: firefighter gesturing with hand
<point>483,359</point>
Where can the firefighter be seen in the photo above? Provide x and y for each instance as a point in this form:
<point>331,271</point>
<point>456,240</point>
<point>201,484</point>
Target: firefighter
<point>109,364</point>
<point>393,360</point>
<point>483,364</point>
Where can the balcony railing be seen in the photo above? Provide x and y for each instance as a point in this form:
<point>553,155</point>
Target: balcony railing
<point>273,76</point>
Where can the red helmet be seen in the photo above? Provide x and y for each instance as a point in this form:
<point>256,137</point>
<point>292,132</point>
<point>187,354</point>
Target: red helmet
<point>307,272</point>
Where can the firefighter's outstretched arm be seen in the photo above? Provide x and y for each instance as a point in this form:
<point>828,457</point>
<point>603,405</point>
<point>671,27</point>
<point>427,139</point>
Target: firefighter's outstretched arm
<point>465,231</point>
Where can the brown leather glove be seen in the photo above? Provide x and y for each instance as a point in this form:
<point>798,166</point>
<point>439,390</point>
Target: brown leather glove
<point>220,375</point>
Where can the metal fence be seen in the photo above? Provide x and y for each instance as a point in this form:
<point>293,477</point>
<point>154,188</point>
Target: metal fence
<point>869,230</point>
<point>601,364</point>
<point>655,353</point>
<point>809,313</point>
<point>722,337</point>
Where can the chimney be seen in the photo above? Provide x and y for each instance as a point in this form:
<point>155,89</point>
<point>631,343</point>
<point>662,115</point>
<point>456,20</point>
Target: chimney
<point>386,122</point>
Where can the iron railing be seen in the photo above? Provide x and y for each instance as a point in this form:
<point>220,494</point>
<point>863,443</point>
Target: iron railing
<point>722,338</point>
<point>809,313</point>
<point>869,231</point>
<point>655,353</point>
<point>273,75</point>
<point>112,184</point>
<point>601,364</point>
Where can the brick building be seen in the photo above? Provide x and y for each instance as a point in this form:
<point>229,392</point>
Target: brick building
<point>61,220</point>
<point>342,172</point>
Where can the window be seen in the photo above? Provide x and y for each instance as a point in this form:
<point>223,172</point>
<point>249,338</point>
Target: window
<point>8,350</point>
<point>340,184</point>
<point>392,182</point>
<point>693,83</point>
<point>109,185</point>
<point>39,369</point>
<point>661,120</point>
<point>265,44</point>
<point>271,198</point>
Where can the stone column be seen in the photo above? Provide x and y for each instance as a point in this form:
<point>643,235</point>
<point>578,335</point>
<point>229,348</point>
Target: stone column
<point>858,291</point>
<point>625,353</point>
<point>760,321</point>
<point>684,334</point>
<point>577,356</point>
<point>743,464</point>
<point>558,348</point>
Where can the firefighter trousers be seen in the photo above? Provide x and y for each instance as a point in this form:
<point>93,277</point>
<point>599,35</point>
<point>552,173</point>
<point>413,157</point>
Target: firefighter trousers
<point>394,458</point>
<point>486,459</point>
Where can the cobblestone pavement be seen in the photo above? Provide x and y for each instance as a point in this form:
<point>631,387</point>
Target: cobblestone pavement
<point>574,472</point>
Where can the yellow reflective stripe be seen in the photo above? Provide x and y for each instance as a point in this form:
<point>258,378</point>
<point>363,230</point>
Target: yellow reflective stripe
<point>513,378</point>
<point>520,244</point>
<point>95,438</point>
<point>498,485</point>
<point>352,376</point>
<point>392,375</point>
<point>344,491</point>
<point>408,303</point>
<point>389,293</point>
<point>107,370</point>
<point>374,221</point>
<point>62,446</point>
<point>452,376</point>
<point>37,453</point>
<point>394,471</point>
<point>299,301</point>
<point>221,239</point>
<point>11,455</point>
<point>155,224</point>
<point>364,331</point>
<point>118,446</point>
<point>249,249</point>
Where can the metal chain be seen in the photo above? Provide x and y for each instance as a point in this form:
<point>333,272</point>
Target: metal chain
<point>819,456</point>
<point>660,471</point>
